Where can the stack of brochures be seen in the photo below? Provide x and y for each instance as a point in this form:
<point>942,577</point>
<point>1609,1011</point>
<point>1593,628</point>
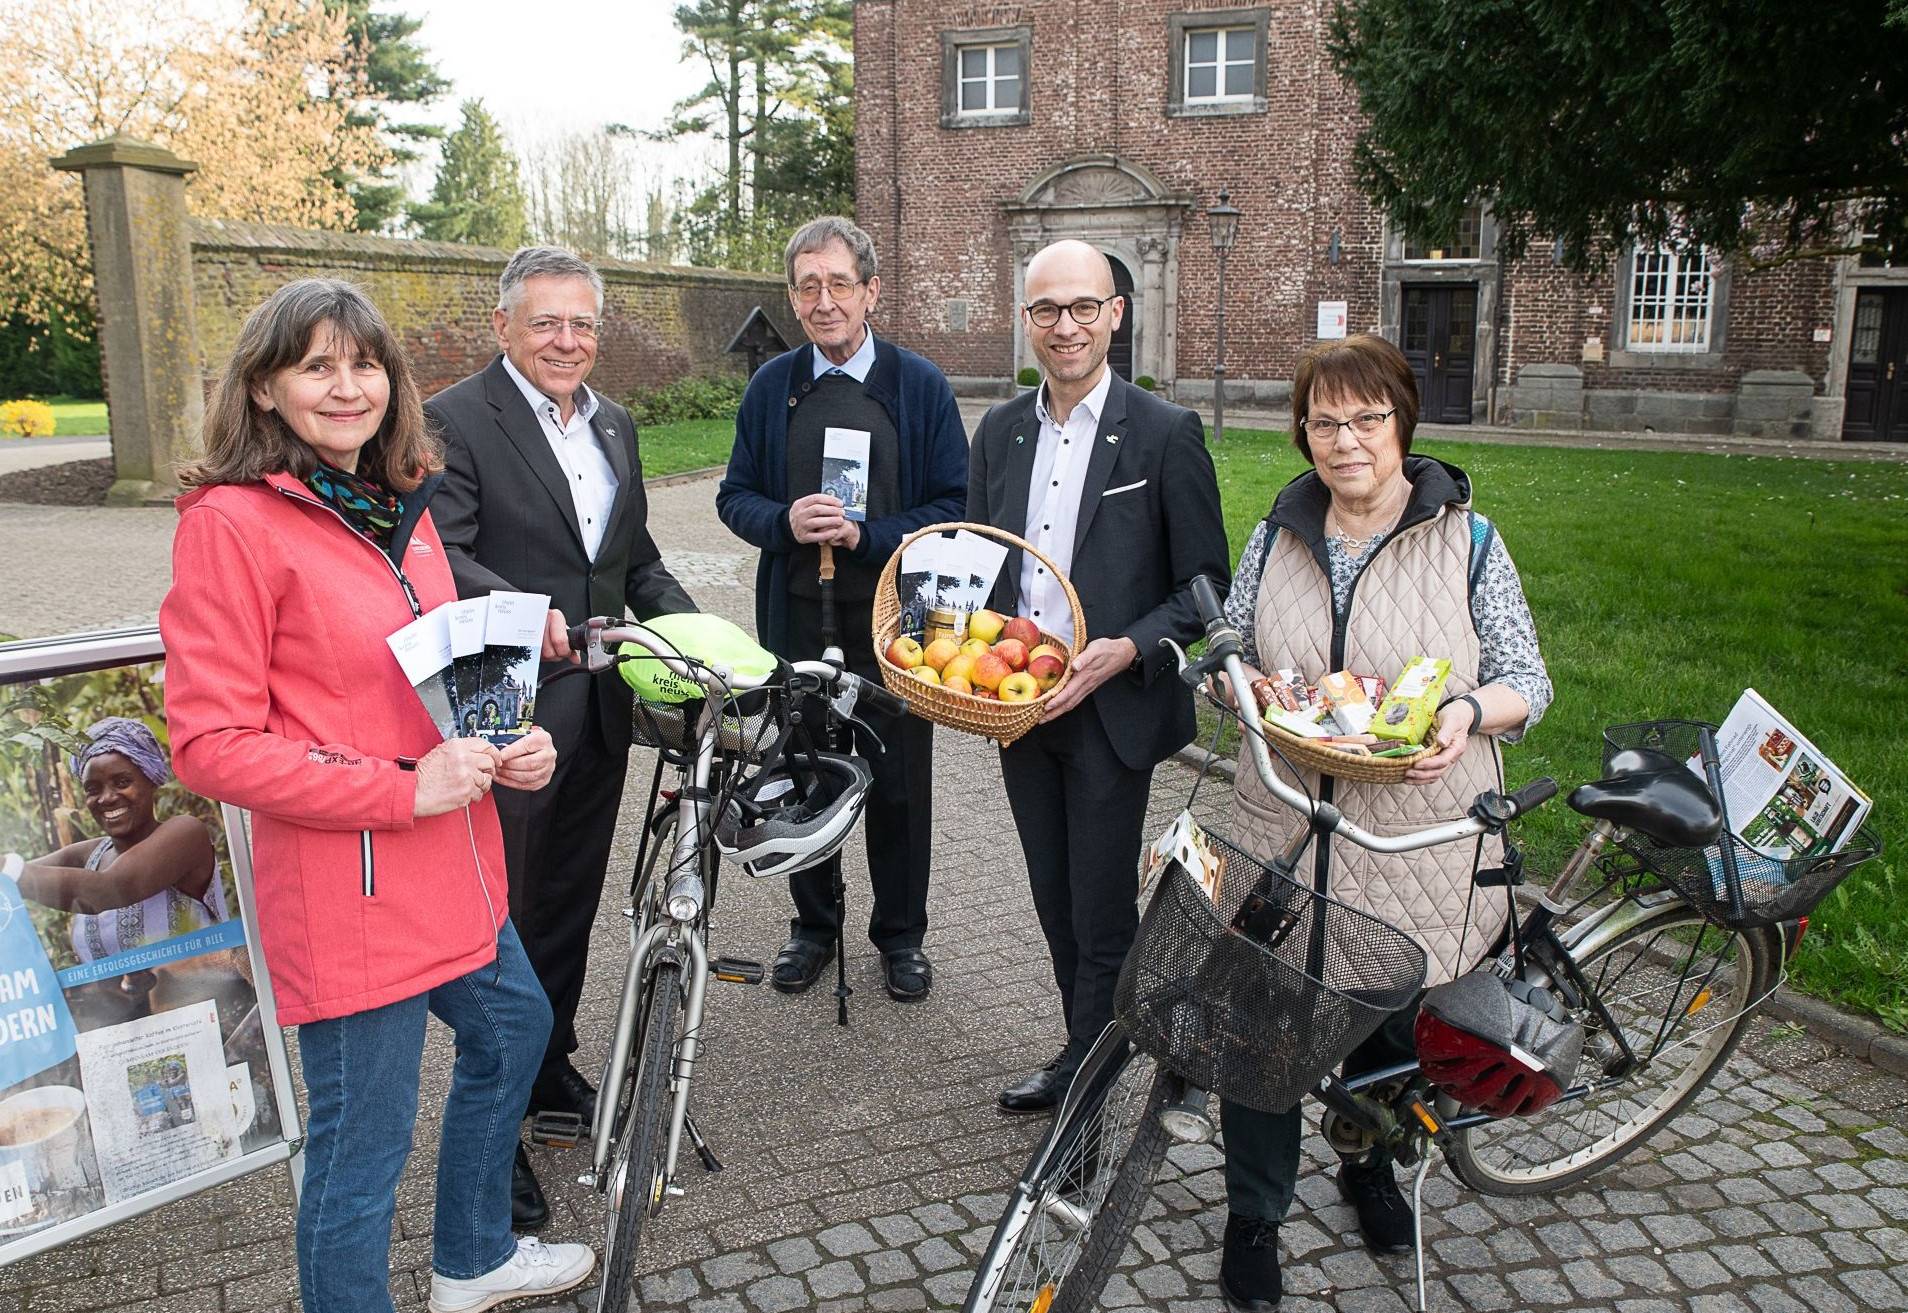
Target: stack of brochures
<point>473,663</point>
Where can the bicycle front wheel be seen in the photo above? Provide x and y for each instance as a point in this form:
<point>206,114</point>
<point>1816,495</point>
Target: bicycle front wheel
<point>642,1141</point>
<point>1682,990</point>
<point>1069,1221</point>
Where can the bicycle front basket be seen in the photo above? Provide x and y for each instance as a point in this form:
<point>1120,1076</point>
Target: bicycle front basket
<point>671,728</point>
<point>1259,1024</point>
<point>1774,889</point>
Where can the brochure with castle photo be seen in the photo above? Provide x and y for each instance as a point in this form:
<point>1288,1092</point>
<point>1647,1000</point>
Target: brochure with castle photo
<point>845,470</point>
<point>1785,797</point>
<point>513,643</point>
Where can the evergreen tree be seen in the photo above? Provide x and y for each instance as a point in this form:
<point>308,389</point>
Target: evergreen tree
<point>395,73</point>
<point>478,196</point>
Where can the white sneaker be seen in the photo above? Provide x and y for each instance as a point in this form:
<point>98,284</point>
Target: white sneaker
<point>535,1269</point>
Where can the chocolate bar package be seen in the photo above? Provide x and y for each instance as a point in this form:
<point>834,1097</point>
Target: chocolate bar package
<point>1406,714</point>
<point>1350,711</point>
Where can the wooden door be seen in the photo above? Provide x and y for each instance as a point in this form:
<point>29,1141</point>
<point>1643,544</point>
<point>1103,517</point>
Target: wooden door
<point>1439,339</point>
<point>1119,352</point>
<point>1877,397</point>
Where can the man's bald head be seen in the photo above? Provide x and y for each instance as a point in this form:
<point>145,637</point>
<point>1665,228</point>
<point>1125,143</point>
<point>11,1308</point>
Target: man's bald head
<point>1072,264</point>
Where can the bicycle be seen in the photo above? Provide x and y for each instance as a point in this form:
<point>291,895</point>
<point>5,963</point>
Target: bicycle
<point>1659,941</point>
<point>741,723</point>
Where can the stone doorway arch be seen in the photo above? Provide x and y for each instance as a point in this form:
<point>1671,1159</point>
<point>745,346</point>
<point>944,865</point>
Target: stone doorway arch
<point>1119,206</point>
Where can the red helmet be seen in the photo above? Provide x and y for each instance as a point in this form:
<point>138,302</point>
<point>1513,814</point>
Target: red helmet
<point>1503,1047</point>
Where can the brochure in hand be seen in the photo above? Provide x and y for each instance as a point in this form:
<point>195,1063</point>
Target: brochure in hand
<point>473,663</point>
<point>845,470</point>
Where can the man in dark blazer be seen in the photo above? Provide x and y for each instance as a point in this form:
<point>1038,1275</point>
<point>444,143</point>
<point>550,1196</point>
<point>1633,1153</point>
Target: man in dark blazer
<point>543,493</point>
<point>1117,487</point>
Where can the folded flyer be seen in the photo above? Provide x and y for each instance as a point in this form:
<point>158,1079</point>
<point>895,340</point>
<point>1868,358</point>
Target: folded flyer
<point>466,674</point>
<point>423,651</point>
<point>845,469</point>
<point>513,642</point>
<point>1784,796</point>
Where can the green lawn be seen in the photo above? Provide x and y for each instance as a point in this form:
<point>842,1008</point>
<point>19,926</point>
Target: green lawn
<point>690,444</point>
<point>73,417</point>
<point>1663,583</point>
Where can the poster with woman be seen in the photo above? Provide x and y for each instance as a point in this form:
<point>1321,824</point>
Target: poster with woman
<point>138,1061</point>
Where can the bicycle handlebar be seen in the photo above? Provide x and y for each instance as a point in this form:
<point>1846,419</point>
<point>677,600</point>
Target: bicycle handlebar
<point>593,636</point>
<point>1223,648</point>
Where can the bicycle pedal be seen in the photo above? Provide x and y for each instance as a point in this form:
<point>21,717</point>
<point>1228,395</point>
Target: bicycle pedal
<point>737,970</point>
<point>557,1130</point>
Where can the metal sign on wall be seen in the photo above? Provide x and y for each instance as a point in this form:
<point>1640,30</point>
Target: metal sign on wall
<point>140,1055</point>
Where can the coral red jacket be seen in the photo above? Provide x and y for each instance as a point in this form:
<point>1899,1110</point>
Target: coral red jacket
<point>283,698</point>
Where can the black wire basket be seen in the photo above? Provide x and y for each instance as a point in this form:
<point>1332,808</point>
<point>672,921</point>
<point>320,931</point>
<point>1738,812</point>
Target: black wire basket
<point>1259,1023</point>
<point>670,727</point>
<point>1772,890</point>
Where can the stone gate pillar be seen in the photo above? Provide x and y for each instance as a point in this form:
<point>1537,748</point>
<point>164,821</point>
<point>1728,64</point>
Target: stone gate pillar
<point>142,271</point>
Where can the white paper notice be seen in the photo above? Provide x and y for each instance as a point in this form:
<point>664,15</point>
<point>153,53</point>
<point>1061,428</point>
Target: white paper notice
<point>423,651</point>
<point>1332,319</point>
<point>159,1097</point>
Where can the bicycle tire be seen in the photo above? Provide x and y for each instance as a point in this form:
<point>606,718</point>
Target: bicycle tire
<point>1056,1235</point>
<point>1574,1140</point>
<point>636,1166</point>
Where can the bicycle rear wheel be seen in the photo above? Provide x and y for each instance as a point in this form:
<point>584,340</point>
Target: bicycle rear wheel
<point>642,1140</point>
<point>1071,1216</point>
<point>1682,990</point>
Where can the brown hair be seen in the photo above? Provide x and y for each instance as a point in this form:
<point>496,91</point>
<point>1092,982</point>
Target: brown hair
<point>1365,366</point>
<point>244,443</point>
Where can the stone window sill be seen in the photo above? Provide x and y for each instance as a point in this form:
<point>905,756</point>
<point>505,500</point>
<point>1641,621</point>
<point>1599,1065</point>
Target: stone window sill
<point>1666,360</point>
<point>1018,118</point>
<point>1215,109</point>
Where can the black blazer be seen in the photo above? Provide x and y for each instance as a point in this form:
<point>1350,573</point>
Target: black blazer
<point>507,522</point>
<point>1149,521</point>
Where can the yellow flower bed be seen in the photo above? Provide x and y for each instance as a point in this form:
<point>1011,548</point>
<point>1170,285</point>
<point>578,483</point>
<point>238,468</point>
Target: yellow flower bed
<point>26,419</point>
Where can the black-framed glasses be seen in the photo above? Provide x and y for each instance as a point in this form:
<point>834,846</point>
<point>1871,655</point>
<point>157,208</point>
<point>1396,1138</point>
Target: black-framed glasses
<point>840,288</point>
<point>1364,424</point>
<point>1045,314</point>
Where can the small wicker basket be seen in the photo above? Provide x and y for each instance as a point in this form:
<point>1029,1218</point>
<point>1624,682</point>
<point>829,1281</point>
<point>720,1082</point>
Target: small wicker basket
<point>1002,721</point>
<point>1313,755</point>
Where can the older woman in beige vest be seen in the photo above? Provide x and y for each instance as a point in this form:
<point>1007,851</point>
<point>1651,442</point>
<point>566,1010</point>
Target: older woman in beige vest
<point>1370,558</point>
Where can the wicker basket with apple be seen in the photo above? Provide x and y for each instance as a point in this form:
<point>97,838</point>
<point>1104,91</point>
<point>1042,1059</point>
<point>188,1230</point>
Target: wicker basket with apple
<point>997,681</point>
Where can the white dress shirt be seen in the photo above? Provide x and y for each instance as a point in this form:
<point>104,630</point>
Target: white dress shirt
<point>586,468</point>
<point>855,366</point>
<point>1053,504</point>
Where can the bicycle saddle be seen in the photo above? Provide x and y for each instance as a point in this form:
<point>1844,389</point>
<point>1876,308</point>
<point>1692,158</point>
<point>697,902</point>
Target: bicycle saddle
<point>1658,797</point>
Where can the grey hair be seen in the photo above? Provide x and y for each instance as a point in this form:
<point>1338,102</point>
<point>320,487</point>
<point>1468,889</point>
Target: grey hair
<point>544,262</point>
<point>816,234</point>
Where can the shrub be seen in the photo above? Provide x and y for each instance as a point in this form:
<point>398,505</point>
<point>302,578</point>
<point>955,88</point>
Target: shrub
<point>1148,382</point>
<point>1028,377</point>
<point>715,397</point>
<point>26,419</point>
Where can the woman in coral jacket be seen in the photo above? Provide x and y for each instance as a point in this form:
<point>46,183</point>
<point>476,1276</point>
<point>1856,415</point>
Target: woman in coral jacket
<point>303,543</point>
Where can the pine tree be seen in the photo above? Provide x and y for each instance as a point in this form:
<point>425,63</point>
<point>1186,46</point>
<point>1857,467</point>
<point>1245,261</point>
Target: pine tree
<point>478,196</point>
<point>395,72</point>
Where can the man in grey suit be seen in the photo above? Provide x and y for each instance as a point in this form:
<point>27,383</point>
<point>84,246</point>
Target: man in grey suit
<point>1116,486</point>
<point>543,493</point>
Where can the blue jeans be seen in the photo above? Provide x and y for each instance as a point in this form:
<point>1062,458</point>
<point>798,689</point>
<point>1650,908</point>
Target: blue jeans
<point>361,1072</point>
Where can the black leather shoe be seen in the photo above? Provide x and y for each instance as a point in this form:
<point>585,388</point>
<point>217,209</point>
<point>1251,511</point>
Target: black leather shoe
<point>800,963</point>
<point>1383,1214</point>
<point>1249,1277</point>
<point>561,1088</point>
<point>528,1208</point>
<point>1040,1091</point>
<point>910,975</point>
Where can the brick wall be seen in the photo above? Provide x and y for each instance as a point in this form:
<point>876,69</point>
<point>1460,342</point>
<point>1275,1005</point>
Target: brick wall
<point>662,322</point>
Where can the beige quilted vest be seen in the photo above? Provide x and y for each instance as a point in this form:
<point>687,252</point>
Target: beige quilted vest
<point>1412,599</point>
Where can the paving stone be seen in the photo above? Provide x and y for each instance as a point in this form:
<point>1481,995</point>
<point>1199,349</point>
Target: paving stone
<point>777,1295</point>
<point>1845,1210</point>
<point>675,1287</point>
<point>797,1254</point>
<point>939,1219</point>
<point>1481,1291</point>
<point>1874,1289</point>
<point>727,1271</point>
<point>898,1229</point>
<point>1677,1230</point>
<point>1696,1268</point>
<point>937,1255</point>
<point>848,1239</point>
<point>948,1288</point>
<point>1794,1254</point>
<point>1590,1280</point>
<point>833,1280</point>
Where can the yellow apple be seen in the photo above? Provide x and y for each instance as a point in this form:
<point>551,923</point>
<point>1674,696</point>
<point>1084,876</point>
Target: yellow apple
<point>958,683</point>
<point>904,652</point>
<point>961,667</point>
<point>985,625</point>
<point>926,674</point>
<point>974,647</point>
<point>938,653</point>
<point>1019,687</point>
<point>989,671</point>
<point>1048,649</point>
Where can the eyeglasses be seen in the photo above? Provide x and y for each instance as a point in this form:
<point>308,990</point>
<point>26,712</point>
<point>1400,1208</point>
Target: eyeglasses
<point>1045,314</point>
<point>1364,425</point>
<point>840,288</point>
<point>551,326</point>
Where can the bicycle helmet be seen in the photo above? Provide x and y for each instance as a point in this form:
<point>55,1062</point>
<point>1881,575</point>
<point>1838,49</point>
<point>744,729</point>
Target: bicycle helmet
<point>706,638</point>
<point>1503,1047</point>
<point>770,830</point>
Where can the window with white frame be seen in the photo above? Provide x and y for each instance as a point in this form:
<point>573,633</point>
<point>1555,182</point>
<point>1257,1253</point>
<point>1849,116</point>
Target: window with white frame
<point>1671,297</point>
<point>1220,63</point>
<point>990,79</point>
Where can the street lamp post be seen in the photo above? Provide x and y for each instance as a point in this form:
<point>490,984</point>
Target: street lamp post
<point>1224,219</point>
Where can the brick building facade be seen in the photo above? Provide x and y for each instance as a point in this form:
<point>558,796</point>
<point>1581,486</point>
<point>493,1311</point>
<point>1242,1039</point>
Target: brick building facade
<point>987,128</point>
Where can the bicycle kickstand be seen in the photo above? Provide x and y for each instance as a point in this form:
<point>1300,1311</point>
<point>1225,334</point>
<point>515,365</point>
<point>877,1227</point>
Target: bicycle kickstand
<point>1417,1221</point>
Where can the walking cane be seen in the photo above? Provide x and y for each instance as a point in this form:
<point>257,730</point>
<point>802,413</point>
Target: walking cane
<point>832,653</point>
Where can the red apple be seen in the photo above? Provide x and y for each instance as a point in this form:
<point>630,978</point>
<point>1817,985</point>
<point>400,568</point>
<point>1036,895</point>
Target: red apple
<point>985,625</point>
<point>1047,649</point>
<point>1019,687</point>
<point>1013,652</point>
<point>989,671</point>
<point>958,683</point>
<point>986,695</point>
<point>904,652</point>
<point>1024,629</point>
<point>1046,669</point>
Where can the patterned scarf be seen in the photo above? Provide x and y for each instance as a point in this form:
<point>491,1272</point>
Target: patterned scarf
<point>367,505</point>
